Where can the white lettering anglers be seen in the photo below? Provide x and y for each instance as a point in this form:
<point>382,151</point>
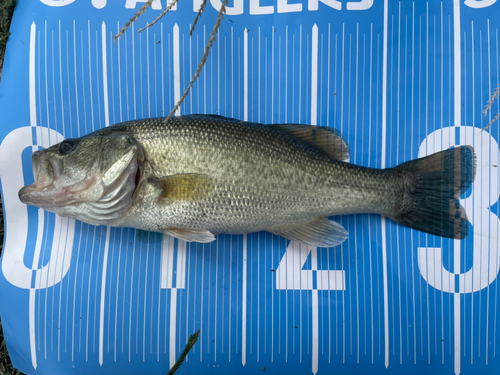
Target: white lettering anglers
<point>255,7</point>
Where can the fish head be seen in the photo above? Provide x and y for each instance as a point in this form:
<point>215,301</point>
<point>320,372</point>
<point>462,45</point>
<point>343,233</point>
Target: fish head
<point>91,178</point>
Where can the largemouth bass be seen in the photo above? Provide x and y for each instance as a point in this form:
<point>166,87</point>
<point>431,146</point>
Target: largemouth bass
<point>197,176</point>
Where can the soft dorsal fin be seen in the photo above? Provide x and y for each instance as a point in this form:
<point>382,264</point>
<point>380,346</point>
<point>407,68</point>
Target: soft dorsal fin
<point>327,140</point>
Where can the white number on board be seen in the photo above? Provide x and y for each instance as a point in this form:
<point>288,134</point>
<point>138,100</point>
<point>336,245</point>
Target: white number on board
<point>16,213</point>
<point>290,275</point>
<point>479,3</point>
<point>485,263</point>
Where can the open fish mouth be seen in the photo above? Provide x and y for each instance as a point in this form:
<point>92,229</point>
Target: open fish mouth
<point>43,174</point>
<point>43,170</point>
<point>43,192</point>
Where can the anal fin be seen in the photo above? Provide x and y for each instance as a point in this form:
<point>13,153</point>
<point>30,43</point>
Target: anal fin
<point>191,235</point>
<point>319,233</point>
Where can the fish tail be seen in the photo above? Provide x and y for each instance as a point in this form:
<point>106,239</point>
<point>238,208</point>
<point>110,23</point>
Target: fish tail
<point>432,187</point>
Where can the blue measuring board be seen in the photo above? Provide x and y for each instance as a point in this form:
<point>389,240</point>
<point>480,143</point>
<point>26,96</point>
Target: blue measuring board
<point>399,79</point>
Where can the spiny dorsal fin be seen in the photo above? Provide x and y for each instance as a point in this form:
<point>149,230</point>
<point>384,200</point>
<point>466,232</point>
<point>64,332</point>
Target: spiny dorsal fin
<point>327,140</point>
<point>187,187</point>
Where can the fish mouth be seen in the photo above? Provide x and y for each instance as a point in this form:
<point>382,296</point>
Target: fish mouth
<point>43,171</point>
<point>42,193</point>
<point>44,178</point>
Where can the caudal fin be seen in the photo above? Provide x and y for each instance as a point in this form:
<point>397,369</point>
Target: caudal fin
<point>433,186</point>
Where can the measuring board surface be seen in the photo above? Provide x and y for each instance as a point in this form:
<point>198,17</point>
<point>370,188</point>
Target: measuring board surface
<point>400,80</point>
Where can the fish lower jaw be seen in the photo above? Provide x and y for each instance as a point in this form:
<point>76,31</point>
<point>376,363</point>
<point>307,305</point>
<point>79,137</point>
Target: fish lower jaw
<point>31,194</point>
<point>48,198</point>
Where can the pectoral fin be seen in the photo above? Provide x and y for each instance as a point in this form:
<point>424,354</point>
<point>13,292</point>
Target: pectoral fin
<point>319,233</point>
<point>186,187</point>
<point>191,235</point>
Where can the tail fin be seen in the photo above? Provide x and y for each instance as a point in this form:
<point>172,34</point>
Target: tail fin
<point>433,186</point>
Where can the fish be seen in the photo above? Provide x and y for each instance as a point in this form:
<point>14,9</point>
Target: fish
<point>196,176</point>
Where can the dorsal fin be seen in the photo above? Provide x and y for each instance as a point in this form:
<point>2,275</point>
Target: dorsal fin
<point>327,140</point>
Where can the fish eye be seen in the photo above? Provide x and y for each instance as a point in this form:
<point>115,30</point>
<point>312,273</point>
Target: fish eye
<point>67,146</point>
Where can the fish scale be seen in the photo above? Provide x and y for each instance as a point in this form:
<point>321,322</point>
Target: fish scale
<point>268,169</point>
<point>199,175</point>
